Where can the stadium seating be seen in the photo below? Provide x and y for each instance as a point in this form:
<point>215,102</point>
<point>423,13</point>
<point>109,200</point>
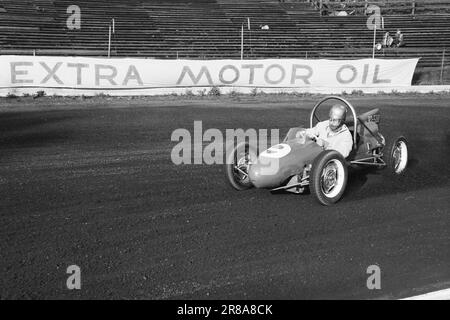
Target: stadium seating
<point>210,29</point>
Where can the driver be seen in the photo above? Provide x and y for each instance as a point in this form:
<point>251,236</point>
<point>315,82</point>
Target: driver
<point>333,134</point>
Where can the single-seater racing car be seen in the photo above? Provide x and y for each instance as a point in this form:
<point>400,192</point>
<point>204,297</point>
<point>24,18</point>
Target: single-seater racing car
<point>299,162</point>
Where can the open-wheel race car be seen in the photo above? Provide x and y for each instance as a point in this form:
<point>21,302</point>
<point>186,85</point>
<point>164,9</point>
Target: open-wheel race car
<point>299,162</point>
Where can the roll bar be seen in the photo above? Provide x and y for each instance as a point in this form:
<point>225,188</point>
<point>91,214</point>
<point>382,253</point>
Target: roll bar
<point>348,105</point>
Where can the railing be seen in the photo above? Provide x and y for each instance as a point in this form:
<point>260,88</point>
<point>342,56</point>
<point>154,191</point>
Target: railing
<point>388,7</point>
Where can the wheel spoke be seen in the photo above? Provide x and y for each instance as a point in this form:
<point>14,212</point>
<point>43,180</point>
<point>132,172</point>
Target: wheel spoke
<point>400,156</point>
<point>329,188</point>
<point>331,179</point>
<point>397,156</point>
<point>245,174</point>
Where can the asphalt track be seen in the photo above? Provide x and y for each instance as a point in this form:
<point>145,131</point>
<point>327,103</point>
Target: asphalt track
<point>91,183</point>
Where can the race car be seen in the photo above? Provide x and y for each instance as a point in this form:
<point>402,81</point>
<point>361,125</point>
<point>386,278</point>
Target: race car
<point>299,162</point>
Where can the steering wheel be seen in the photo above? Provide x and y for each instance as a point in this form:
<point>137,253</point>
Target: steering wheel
<point>347,104</point>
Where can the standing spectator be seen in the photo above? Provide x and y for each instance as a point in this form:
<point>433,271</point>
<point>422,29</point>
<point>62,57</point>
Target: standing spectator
<point>399,42</point>
<point>387,40</point>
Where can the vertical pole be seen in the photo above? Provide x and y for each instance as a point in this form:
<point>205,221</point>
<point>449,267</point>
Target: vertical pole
<point>250,35</point>
<point>242,42</point>
<point>413,11</point>
<point>442,66</point>
<point>109,42</point>
<point>374,39</point>
<point>321,7</point>
<point>113,31</point>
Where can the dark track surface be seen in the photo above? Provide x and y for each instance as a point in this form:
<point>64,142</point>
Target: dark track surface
<point>95,187</point>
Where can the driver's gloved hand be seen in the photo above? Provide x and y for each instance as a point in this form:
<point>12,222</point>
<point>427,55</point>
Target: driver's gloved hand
<point>319,142</point>
<point>311,136</point>
<point>324,144</point>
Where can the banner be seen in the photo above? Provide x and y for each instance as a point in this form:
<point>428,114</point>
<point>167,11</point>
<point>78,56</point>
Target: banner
<point>78,75</point>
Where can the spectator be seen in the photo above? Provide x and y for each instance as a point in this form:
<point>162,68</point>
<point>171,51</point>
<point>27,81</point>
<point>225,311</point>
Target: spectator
<point>387,40</point>
<point>325,9</point>
<point>344,10</point>
<point>399,42</point>
<point>341,13</point>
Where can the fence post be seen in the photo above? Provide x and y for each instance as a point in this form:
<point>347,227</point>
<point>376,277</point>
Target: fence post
<point>250,38</point>
<point>374,40</point>
<point>242,42</point>
<point>413,11</point>
<point>442,66</point>
<point>109,42</point>
<point>321,7</point>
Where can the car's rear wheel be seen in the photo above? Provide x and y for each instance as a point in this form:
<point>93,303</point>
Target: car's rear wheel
<point>396,155</point>
<point>329,177</point>
<point>238,163</point>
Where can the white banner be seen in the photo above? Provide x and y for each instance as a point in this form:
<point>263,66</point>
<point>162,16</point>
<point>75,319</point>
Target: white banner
<point>77,75</point>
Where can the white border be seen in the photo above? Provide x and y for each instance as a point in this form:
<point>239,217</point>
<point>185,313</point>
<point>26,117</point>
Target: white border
<point>436,295</point>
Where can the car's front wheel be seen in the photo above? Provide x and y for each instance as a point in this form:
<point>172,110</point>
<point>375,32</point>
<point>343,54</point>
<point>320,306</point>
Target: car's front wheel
<point>238,163</point>
<point>329,177</point>
<point>396,155</point>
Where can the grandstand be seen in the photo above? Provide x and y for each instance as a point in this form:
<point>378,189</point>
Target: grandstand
<point>211,29</point>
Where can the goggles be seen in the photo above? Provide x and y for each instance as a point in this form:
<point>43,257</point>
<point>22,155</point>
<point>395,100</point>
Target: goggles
<point>336,121</point>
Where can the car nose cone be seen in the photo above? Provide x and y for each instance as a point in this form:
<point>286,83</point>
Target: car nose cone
<point>261,178</point>
<point>266,172</point>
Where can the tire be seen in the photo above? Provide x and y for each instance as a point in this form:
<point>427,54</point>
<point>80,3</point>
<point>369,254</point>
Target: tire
<point>332,164</point>
<point>396,156</point>
<point>239,157</point>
